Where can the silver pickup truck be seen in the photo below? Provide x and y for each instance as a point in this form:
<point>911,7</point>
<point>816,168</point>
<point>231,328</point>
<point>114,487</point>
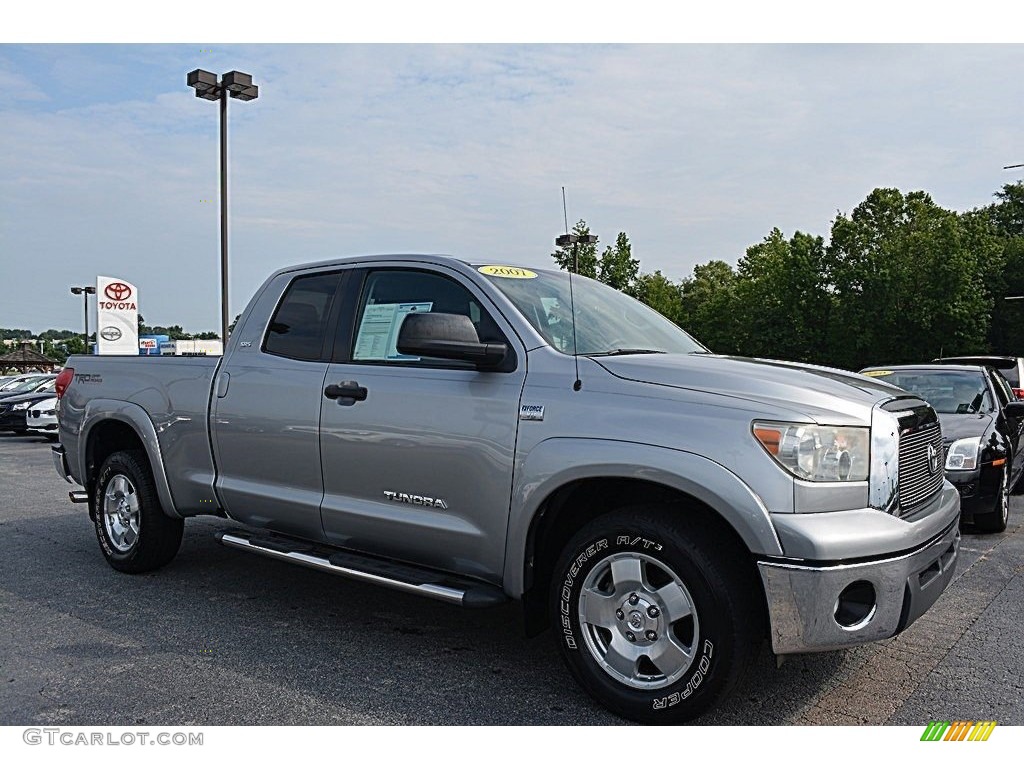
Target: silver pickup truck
<point>476,433</point>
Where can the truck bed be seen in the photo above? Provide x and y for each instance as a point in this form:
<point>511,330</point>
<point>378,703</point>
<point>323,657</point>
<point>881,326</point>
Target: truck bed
<point>165,398</point>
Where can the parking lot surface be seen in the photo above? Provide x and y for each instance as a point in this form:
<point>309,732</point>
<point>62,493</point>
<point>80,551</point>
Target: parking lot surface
<point>222,637</point>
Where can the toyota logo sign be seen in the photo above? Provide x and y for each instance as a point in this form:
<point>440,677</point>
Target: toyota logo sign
<point>110,333</point>
<point>118,291</point>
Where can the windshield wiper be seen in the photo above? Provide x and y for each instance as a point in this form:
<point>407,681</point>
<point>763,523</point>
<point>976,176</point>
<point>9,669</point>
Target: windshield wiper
<point>614,352</point>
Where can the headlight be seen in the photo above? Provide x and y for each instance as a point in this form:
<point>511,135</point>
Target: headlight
<point>50,413</point>
<point>21,406</point>
<point>963,453</point>
<point>811,452</point>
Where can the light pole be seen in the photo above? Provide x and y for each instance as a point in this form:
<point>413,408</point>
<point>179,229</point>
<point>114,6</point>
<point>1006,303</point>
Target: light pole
<point>237,85</point>
<point>574,240</point>
<point>85,290</point>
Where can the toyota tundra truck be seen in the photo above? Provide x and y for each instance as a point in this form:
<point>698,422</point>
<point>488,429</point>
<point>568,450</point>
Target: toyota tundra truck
<point>479,432</point>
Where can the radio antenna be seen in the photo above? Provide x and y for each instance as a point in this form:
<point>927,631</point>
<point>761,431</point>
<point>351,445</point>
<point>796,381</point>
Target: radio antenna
<point>565,212</point>
<point>562,241</point>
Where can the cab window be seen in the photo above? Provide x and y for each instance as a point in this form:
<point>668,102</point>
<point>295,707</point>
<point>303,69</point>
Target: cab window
<point>390,295</point>
<point>299,326</point>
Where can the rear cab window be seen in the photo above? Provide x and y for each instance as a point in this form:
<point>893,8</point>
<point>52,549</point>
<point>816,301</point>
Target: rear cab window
<point>298,327</point>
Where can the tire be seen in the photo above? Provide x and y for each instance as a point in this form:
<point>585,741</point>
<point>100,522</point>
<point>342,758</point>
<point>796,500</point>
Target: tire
<point>995,520</point>
<point>682,591</point>
<point>135,535</point>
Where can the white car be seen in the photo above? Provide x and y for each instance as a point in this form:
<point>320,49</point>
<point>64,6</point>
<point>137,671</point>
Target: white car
<point>42,418</point>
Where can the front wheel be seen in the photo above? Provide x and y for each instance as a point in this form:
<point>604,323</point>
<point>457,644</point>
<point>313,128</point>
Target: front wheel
<point>134,533</point>
<point>658,616</point>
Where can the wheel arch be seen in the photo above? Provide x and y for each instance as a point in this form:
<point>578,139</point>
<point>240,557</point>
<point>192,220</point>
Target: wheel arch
<point>111,426</point>
<point>570,496</point>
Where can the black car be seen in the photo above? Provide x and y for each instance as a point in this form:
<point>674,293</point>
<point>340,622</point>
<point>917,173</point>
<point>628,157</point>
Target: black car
<point>981,422</point>
<point>14,409</point>
<point>1011,367</point>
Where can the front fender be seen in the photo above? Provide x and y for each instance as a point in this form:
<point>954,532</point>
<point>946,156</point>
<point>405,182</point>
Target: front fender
<point>554,463</point>
<point>100,410</point>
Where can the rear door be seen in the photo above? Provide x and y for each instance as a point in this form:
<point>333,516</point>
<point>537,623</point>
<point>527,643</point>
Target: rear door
<point>420,469</point>
<point>266,411</point>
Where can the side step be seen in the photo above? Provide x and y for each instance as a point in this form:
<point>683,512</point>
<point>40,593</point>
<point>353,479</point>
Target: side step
<point>388,573</point>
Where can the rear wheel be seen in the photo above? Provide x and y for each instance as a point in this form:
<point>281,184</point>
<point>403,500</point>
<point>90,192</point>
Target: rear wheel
<point>995,520</point>
<point>657,620</point>
<point>134,533</point>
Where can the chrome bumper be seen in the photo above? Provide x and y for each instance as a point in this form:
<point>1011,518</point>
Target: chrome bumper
<point>60,462</point>
<point>803,599</point>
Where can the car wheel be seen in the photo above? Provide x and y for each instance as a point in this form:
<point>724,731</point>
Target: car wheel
<point>658,617</point>
<point>995,520</point>
<point>134,533</point>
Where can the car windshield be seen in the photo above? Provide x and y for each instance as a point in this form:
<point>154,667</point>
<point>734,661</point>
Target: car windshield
<point>25,385</point>
<point>945,391</point>
<point>607,321</point>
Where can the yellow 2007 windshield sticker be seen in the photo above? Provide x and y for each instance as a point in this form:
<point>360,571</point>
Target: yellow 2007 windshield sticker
<point>877,373</point>
<point>516,273</point>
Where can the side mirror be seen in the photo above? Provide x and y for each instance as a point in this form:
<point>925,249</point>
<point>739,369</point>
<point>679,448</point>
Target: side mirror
<point>1014,411</point>
<point>449,337</point>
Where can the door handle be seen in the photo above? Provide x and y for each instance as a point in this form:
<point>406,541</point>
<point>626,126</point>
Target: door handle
<point>346,393</point>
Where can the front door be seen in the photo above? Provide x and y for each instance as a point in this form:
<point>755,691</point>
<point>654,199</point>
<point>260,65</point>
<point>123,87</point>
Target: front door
<point>421,468</point>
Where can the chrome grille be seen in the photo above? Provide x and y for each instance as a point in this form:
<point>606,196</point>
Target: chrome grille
<point>917,483</point>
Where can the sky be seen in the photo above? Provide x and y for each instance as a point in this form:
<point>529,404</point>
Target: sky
<point>109,164</point>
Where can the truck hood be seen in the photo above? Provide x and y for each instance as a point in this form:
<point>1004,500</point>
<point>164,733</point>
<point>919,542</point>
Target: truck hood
<point>824,395</point>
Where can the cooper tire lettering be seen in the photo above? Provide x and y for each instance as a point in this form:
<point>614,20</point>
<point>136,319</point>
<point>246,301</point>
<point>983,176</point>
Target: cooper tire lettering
<point>717,621</point>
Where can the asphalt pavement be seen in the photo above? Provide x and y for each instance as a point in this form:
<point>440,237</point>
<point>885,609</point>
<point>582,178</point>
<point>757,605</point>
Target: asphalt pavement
<point>223,637</point>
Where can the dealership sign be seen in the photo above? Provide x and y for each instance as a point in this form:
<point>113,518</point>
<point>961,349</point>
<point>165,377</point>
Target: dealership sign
<point>117,316</point>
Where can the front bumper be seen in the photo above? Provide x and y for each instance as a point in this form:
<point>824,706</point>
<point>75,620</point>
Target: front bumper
<point>978,489</point>
<point>803,599</point>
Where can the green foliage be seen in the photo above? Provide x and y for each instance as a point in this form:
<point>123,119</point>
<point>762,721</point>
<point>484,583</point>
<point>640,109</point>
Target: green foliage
<point>907,280</point>
<point>900,279</point>
<point>708,306</point>
<point>617,267</point>
<point>661,294</point>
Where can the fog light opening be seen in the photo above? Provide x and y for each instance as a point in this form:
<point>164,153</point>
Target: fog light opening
<point>856,605</point>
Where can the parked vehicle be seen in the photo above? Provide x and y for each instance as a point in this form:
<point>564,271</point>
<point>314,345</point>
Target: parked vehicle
<point>479,432</point>
<point>24,383</point>
<point>1011,367</point>
<point>14,408</point>
<point>42,417</point>
<point>981,420</point>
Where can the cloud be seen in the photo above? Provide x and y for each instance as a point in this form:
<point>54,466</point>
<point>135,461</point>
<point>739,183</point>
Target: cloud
<point>695,151</point>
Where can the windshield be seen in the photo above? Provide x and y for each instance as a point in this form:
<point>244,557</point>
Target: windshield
<point>25,385</point>
<point>945,391</point>
<point>607,322</point>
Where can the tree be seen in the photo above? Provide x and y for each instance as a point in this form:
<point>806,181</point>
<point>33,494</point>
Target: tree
<point>782,305</point>
<point>660,294</point>
<point>585,257</point>
<point>1005,277</point>
<point>906,277</point>
<point>708,306</point>
<point>617,267</point>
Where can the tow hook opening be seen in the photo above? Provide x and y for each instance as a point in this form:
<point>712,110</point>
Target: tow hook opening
<point>856,605</point>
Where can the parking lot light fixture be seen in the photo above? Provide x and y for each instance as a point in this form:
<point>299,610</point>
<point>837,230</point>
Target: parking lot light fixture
<point>237,85</point>
<point>85,291</point>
